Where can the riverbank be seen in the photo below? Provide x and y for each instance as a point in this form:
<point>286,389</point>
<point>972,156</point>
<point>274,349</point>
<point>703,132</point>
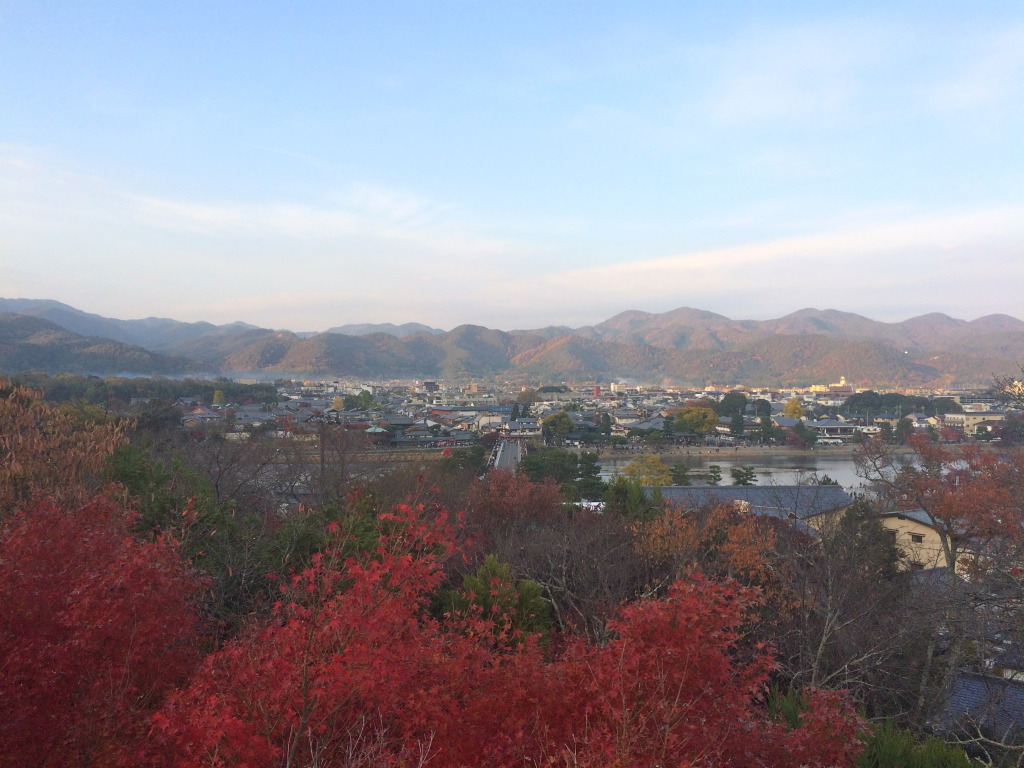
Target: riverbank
<point>672,454</point>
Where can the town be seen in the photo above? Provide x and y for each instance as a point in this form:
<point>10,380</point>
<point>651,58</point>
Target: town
<point>428,414</point>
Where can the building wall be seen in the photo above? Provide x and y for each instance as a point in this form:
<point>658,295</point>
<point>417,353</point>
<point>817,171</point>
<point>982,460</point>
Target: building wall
<point>919,543</point>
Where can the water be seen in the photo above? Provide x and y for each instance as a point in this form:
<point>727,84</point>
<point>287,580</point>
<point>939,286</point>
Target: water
<point>772,468</point>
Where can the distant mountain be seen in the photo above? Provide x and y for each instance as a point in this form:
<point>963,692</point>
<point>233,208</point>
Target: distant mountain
<point>34,344</point>
<point>398,331</point>
<point>154,333</point>
<point>687,346</point>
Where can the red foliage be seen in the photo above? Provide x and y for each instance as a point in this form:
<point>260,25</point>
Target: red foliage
<point>972,496</point>
<point>674,688</point>
<point>507,501</point>
<point>96,627</point>
<point>354,671</point>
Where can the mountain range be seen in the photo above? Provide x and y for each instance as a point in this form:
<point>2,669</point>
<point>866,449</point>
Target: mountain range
<point>690,347</point>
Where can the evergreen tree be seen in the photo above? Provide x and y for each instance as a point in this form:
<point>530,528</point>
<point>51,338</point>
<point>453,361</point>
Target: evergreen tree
<point>714,475</point>
<point>745,475</point>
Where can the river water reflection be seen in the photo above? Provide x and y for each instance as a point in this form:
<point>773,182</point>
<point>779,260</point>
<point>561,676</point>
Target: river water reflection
<point>772,468</point>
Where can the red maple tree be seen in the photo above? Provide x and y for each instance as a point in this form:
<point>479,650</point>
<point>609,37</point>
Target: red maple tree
<point>356,670</point>
<point>96,628</point>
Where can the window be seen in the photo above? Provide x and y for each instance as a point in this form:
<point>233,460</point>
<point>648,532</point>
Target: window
<point>892,533</point>
<point>917,538</point>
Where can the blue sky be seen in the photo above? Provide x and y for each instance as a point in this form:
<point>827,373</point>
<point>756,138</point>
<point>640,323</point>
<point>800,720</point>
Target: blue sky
<point>514,165</point>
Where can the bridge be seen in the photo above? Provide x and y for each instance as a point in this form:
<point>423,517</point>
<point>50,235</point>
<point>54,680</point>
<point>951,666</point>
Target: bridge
<point>507,454</point>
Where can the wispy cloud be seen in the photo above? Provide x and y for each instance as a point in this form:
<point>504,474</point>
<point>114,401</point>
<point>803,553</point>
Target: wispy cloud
<point>376,254</point>
<point>874,266</point>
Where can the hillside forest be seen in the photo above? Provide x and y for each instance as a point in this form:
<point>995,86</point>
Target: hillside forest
<point>163,608</point>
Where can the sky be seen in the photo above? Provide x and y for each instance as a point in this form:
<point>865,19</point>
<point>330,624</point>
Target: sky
<point>511,164</point>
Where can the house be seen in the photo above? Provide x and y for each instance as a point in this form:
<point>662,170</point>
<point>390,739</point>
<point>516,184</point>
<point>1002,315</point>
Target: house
<point>785,422</point>
<point>916,537</point>
<point>833,429</point>
<point>523,427</point>
<point>968,422</point>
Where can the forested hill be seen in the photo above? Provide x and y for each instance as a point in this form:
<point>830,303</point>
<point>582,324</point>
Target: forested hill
<point>685,346</point>
<point>35,344</point>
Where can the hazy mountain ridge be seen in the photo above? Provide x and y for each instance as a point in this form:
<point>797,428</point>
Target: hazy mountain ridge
<point>35,344</point>
<point>155,333</point>
<point>686,345</point>
<point>399,331</point>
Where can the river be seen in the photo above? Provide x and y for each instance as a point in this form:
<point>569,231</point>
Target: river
<point>788,468</point>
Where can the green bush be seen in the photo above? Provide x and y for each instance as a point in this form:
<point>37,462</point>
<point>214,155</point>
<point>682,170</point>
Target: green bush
<point>890,747</point>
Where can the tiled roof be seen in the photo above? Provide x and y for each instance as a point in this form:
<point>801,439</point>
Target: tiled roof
<point>800,501</point>
<point>994,704</point>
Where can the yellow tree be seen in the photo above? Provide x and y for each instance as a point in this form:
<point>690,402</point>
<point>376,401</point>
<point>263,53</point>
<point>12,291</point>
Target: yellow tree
<point>793,409</point>
<point>649,470</point>
<point>695,419</point>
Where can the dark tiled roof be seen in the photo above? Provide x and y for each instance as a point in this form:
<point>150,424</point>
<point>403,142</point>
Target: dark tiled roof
<point>917,515</point>
<point>994,704</point>
<point>799,501</point>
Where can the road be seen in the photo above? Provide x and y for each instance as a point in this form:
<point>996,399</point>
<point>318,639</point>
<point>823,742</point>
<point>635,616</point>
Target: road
<point>510,453</point>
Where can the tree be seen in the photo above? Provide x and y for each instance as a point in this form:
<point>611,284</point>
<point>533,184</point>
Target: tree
<point>680,474</point>
<point>365,675</point>
<point>746,475</point>
<point>97,628</point>
<point>904,429</point>
<point>558,425</point>
<point>515,412</point>
<point>625,497</point>
<point>731,402</point>
<point>693,420</point>
<point>1010,389</point>
<point>943,405</point>
<point>793,409</point>
<point>974,501</point>
<point>713,476</point>
<point>768,431</point>
<point>762,408</point>
<point>579,475</point>
<point>526,398</point>
<point>218,397</point>
<point>338,404</point>
<point>716,540</point>
<point>52,452</point>
<point>361,402</point>
<point>736,425</point>
<point>849,621</point>
<point>589,485</point>
<point>649,470</point>
<point>673,657</point>
<point>802,436</point>
<point>516,607</point>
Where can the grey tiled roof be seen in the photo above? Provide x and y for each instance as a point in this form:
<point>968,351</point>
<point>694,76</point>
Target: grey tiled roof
<point>917,515</point>
<point>799,501</point>
<point>994,704</point>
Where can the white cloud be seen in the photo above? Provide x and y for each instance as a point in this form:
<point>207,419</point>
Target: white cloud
<point>960,262</point>
<point>374,255</point>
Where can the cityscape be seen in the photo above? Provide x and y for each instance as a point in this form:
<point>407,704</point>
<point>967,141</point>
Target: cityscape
<point>442,384</point>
